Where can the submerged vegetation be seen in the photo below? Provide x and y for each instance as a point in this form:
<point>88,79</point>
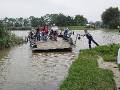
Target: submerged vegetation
<point>7,39</point>
<point>84,73</point>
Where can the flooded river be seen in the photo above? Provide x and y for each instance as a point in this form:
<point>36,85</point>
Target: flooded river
<point>20,69</point>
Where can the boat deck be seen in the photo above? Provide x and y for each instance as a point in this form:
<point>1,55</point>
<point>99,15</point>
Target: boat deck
<point>53,46</point>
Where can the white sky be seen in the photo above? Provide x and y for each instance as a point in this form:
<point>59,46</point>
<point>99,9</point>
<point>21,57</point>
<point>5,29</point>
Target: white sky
<point>91,9</point>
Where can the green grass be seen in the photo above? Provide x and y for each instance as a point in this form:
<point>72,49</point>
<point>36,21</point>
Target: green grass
<point>108,52</point>
<point>84,74</point>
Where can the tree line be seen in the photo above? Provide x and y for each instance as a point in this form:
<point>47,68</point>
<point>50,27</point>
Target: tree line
<point>110,19</point>
<point>48,19</point>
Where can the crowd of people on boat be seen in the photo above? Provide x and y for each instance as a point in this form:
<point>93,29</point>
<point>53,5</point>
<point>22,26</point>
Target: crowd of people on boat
<point>45,33</point>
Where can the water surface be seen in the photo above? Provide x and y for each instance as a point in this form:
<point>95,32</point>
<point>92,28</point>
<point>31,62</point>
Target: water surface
<point>20,69</point>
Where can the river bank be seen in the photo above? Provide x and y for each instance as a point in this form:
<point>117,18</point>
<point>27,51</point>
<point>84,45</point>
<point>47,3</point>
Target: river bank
<point>8,39</point>
<point>84,73</point>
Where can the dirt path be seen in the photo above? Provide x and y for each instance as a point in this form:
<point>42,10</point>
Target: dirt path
<point>113,67</point>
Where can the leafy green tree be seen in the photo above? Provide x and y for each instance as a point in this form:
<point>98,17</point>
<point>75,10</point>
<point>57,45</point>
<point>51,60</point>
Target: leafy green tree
<point>20,21</point>
<point>98,24</point>
<point>70,21</point>
<point>61,20</point>
<point>35,22</point>
<point>3,31</point>
<point>26,22</point>
<point>53,18</point>
<point>48,19</point>
<point>111,17</point>
<point>80,20</point>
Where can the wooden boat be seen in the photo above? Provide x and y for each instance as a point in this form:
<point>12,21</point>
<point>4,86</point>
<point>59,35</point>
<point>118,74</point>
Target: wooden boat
<point>52,46</point>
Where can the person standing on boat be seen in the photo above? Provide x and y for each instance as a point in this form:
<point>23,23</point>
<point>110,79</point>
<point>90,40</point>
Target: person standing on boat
<point>90,38</point>
<point>45,33</point>
<point>30,36</point>
<point>42,33</point>
<point>55,35</point>
<point>37,34</point>
<point>51,34</point>
<point>65,36</point>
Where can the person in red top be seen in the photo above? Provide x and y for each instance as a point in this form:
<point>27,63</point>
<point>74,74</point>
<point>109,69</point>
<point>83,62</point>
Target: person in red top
<point>46,29</point>
<point>45,33</point>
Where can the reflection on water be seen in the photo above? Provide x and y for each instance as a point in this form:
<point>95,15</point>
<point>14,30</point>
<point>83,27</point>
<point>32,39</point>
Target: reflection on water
<point>21,34</point>
<point>20,69</point>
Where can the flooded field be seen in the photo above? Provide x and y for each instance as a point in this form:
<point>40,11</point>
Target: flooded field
<point>102,37</point>
<point>20,69</point>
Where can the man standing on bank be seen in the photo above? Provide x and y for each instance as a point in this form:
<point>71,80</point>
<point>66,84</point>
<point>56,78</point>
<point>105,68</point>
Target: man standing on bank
<point>90,38</point>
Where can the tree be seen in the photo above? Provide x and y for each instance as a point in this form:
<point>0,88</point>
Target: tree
<point>111,17</point>
<point>80,20</point>
<point>3,31</point>
<point>98,24</point>
<point>48,19</point>
<point>20,21</point>
<point>61,20</point>
<point>70,21</point>
<point>26,22</point>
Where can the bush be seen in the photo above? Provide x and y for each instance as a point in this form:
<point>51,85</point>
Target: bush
<point>7,39</point>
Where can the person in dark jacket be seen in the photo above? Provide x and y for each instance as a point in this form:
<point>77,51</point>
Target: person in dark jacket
<point>90,38</point>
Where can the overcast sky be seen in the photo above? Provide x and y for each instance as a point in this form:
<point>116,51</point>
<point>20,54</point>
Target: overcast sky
<point>91,9</point>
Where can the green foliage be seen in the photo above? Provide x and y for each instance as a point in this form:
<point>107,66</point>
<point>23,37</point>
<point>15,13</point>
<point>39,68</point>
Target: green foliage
<point>35,22</point>
<point>80,20</point>
<point>48,19</point>
<point>119,66</point>
<point>111,18</point>
<point>108,52</point>
<point>3,31</point>
<point>7,39</point>
<point>84,74</point>
<point>61,20</point>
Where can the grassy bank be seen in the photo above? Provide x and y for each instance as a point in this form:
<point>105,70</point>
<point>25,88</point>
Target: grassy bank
<point>84,73</point>
<point>108,52</point>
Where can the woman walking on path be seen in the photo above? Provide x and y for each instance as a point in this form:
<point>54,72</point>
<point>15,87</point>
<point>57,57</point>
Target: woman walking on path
<point>90,38</point>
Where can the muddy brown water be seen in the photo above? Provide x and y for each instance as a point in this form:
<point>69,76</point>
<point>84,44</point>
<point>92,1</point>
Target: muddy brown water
<point>20,69</point>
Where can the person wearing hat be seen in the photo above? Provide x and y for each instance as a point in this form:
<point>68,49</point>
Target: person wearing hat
<point>90,38</point>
